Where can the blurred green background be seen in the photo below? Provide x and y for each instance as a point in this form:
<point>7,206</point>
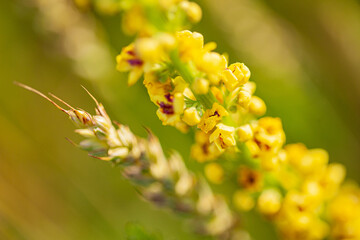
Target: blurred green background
<point>304,57</point>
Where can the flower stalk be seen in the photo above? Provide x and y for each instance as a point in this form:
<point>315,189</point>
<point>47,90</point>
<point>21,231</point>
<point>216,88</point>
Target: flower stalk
<point>294,187</point>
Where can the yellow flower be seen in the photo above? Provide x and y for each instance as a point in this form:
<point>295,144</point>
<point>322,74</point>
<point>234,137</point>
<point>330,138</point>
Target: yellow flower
<point>170,109</point>
<point>128,60</point>
<point>190,44</point>
<point>223,136</point>
<point>134,21</point>
<point>344,213</point>
<point>203,150</point>
<point>270,162</point>
<point>269,202</point>
<point>269,134</point>
<point>306,161</point>
<point>211,63</point>
<point>191,116</point>
<point>200,86</point>
<point>250,179</point>
<point>243,200</point>
<point>211,117</point>
<point>235,75</point>
<point>245,133</point>
<point>192,10</point>
<point>149,49</point>
<point>244,98</point>
<point>214,172</point>
<point>218,94</point>
<point>257,106</point>
<point>156,89</point>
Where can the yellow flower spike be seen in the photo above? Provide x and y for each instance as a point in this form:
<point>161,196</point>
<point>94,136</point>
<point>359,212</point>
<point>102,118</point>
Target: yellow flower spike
<point>269,202</point>
<point>200,86</point>
<point>149,49</point>
<point>211,117</point>
<point>241,72</point>
<point>191,116</point>
<point>179,103</point>
<point>245,133</point>
<point>257,106</point>
<point>243,200</point>
<point>223,136</point>
<point>192,10</point>
<point>214,173</point>
<point>244,98</point>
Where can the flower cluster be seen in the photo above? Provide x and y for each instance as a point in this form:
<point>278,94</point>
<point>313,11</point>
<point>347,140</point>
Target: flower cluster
<point>195,87</point>
<point>192,85</point>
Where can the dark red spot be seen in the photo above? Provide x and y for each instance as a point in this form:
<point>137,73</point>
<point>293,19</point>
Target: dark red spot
<point>262,146</point>
<point>215,114</point>
<point>135,62</point>
<point>132,53</point>
<point>169,97</point>
<point>166,108</point>
<point>205,149</point>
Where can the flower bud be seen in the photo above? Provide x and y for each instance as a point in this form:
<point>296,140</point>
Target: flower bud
<point>192,10</point>
<point>214,172</point>
<point>243,200</point>
<point>191,116</point>
<point>245,133</point>
<point>269,202</point>
<point>257,106</point>
<point>200,86</point>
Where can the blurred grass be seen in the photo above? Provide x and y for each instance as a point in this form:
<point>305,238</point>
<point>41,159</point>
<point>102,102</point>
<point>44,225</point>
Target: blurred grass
<point>51,190</point>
